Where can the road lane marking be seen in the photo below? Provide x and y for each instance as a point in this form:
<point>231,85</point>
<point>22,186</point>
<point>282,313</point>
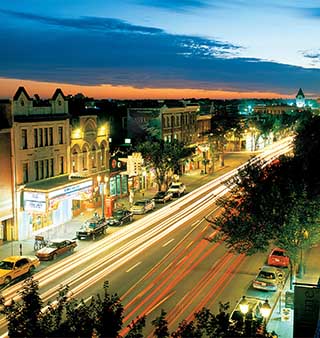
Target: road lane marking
<point>195,223</point>
<point>165,244</point>
<point>161,302</point>
<point>133,267</point>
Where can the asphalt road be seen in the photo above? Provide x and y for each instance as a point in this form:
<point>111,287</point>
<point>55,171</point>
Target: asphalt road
<point>163,260</point>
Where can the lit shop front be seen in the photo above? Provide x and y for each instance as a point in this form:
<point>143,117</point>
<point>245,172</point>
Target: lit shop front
<point>44,209</point>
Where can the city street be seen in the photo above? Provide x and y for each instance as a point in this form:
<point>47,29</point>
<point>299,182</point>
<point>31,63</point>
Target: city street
<point>163,260</point>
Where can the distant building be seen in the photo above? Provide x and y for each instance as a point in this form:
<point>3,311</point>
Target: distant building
<point>166,120</point>
<point>300,99</point>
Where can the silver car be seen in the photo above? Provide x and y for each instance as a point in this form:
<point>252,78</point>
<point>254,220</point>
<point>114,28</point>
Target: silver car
<point>142,206</point>
<point>269,278</point>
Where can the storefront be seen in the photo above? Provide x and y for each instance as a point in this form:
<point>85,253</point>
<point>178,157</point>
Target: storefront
<point>47,208</point>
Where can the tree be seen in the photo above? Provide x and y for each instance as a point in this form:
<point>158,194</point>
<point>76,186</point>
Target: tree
<point>163,157</point>
<point>23,318</point>
<point>274,203</point>
<point>161,326</point>
<point>136,328</point>
<point>109,314</point>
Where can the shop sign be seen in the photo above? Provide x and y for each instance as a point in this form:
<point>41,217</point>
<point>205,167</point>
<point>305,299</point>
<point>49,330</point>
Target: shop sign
<point>76,195</point>
<point>34,196</point>
<point>306,311</point>
<point>70,190</point>
<point>34,206</point>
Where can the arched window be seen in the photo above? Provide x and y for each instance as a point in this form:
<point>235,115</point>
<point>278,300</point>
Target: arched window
<point>75,159</point>
<point>85,155</point>
<point>94,156</point>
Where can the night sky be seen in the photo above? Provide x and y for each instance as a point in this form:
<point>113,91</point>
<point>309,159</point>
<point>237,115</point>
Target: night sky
<point>160,48</point>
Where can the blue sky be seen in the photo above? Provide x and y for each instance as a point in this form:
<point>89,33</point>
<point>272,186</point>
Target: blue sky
<point>230,45</point>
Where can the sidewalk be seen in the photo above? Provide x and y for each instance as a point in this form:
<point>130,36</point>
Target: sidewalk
<point>192,180</point>
<point>281,321</point>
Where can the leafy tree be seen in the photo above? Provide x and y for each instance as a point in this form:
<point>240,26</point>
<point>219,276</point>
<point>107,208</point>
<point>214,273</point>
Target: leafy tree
<point>164,157</point>
<point>23,318</point>
<point>274,203</point>
<point>109,314</point>
<point>136,328</point>
<point>161,326</point>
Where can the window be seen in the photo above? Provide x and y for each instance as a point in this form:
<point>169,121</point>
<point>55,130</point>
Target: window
<point>35,136</point>
<point>51,136</point>
<point>46,169</point>
<point>24,139</point>
<point>61,165</point>
<point>41,137</point>
<point>85,159</point>
<point>36,170</point>
<point>60,135</point>
<point>46,139</point>
<point>51,167</point>
<point>25,169</point>
<point>41,169</point>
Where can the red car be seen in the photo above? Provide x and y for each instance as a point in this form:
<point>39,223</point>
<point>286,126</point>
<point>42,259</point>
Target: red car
<point>278,257</point>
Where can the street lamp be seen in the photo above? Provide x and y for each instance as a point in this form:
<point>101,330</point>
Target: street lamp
<point>102,186</point>
<point>244,308</point>
<point>265,312</point>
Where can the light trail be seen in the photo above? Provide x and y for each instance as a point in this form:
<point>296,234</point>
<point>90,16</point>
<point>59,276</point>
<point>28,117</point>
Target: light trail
<point>124,245</point>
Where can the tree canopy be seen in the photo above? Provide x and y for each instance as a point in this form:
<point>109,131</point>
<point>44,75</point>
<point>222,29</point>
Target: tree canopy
<point>164,157</point>
<point>275,203</point>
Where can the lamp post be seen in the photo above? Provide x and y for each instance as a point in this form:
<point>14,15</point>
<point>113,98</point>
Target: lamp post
<point>102,185</point>
<point>265,312</point>
<point>244,308</point>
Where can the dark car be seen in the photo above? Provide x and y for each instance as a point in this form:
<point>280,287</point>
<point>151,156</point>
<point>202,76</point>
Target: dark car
<point>120,217</point>
<point>92,228</point>
<point>162,197</point>
<point>56,247</point>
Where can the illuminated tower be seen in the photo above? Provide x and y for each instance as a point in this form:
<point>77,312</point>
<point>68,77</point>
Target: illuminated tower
<point>300,99</point>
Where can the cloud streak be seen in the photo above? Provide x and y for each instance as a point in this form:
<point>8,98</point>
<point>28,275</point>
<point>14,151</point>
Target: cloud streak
<point>93,51</point>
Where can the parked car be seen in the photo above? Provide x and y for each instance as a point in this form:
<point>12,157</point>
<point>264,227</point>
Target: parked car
<point>278,257</point>
<point>269,278</point>
<point>120,217</point>
<point>162,196</point>
<point>142,206</point>
<point>56,247</point>
<point>177,189</point>
<point>254,306</point>
<point>15,266</point>
<point>92,228</point>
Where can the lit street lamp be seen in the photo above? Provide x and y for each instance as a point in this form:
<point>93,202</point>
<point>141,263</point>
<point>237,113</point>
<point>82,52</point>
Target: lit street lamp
<point>244,308</point>
<point>265,312</point>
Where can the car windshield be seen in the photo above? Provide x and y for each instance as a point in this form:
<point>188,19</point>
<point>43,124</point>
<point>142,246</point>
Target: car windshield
<point>160,194</point>
<point>175,186</point>
<point>267,275</point>
<point>53,245</point>
<point>118,213</point>
<point>278,253</point>
<point>140,203</point>
<point>4,265</point>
